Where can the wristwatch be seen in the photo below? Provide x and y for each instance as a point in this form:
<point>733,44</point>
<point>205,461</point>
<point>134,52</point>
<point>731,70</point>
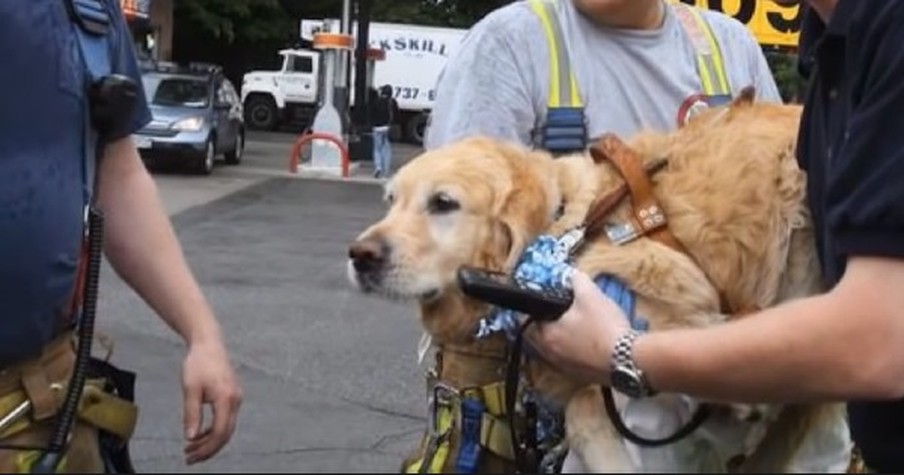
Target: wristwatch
<point>626,377</point>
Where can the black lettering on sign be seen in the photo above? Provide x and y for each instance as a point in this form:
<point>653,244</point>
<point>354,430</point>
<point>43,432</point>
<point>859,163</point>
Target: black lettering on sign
<point>781,23</point>
<point>746,9</point>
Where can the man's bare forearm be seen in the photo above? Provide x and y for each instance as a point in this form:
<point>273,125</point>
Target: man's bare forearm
<point>838,346</point>
<point>142,247</point>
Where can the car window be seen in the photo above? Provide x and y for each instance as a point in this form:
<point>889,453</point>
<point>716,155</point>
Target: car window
<point>223,94</point>
<point>231,92</point>
<point>175,91</point>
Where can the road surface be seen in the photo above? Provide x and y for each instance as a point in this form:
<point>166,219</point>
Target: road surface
<point>330,377</point>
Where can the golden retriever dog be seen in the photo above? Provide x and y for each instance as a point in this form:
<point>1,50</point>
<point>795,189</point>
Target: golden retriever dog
<point>735,200</point>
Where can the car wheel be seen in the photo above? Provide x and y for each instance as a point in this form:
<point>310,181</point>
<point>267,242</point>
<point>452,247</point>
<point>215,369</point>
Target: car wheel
<point>205,163</point>
<point>234,156</point>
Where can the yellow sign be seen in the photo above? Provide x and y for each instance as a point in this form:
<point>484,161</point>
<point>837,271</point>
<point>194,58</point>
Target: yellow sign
<point>771,23</point>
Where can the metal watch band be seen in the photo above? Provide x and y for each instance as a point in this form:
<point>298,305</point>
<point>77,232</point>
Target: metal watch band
<point>623,367</point>
<point>621,355</point>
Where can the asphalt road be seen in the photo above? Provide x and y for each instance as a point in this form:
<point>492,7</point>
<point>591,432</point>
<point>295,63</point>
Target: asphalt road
<point>330,377</point>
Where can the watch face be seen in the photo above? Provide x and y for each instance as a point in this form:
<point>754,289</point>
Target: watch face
<point>626,382</point>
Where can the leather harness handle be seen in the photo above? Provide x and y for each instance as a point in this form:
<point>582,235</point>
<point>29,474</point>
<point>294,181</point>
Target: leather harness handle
<point>648,216</point>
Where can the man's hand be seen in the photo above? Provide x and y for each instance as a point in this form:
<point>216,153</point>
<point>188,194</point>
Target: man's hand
<point>581,341</point>
<point>142,247</point>
<point>208,378</point>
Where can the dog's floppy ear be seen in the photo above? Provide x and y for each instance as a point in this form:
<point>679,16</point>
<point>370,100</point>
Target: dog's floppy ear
<point>745,98</point>
<point>524,205</point>
<point>519,223</point>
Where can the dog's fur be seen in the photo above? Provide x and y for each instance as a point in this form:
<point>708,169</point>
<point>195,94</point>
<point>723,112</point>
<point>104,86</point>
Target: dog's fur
<point>733,195</point>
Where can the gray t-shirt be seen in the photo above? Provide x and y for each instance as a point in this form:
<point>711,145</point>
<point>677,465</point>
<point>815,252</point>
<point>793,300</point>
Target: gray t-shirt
<point>496,84</point>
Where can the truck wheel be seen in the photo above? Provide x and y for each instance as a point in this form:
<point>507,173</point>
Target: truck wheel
<point>261,113</point>
<point>415,127</point>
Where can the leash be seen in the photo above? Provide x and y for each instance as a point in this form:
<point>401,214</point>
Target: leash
<point>649,219</point>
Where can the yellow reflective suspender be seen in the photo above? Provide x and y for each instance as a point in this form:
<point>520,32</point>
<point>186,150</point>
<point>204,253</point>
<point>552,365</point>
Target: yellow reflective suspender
<point>564,129</point>
<point>563,87</point>
<point>709,56</point>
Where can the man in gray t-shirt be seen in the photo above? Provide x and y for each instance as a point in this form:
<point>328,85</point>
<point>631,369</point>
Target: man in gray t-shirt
<point>637,75</point>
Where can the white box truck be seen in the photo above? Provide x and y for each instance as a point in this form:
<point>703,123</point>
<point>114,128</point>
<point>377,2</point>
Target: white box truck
<point>415,56</point>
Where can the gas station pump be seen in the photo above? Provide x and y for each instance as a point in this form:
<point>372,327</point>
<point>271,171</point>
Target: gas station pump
<point>335,142</point>
<point>327,154</point>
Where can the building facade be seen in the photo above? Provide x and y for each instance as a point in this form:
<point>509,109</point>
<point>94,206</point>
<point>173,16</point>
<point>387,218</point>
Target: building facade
<point>151,24</point>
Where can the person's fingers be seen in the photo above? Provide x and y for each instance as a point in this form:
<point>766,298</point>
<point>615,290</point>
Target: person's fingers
<point>192,412</point>
<point>225,409</point>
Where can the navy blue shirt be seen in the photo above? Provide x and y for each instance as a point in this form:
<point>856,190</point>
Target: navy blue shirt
<point>42,93</point>
<point>852,146</point>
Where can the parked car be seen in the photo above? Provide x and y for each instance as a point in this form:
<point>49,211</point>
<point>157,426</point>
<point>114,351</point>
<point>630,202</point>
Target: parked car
<point>197,117</point>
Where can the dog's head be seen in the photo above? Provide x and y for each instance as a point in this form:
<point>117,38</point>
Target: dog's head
<point>475,202</point>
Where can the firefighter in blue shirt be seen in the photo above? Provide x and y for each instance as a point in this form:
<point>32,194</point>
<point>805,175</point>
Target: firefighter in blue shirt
<point>46,171</point>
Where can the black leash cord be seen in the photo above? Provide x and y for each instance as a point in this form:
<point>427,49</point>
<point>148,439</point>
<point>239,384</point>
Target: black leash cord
<point>700,415</point>
<point>512,380</point>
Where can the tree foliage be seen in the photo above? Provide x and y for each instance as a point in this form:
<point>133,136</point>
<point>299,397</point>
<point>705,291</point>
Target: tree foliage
<point>455,14</point>
<point>787,77</point>
<point>229,21</point>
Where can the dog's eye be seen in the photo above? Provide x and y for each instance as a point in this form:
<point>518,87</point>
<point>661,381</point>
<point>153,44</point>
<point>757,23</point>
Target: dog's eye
<point>388,198</point>
<point>442,203</point>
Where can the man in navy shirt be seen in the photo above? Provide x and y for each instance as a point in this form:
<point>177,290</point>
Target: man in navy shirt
<point>851,143</point>
<point>43,96</point>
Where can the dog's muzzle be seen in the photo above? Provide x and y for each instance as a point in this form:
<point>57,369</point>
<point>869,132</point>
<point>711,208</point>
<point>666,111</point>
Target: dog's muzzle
<point>369,257</point>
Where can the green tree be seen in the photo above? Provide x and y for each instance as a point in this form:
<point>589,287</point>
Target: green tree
<point>233,21</point>
<point>448,13</point>
<point>784,70</point>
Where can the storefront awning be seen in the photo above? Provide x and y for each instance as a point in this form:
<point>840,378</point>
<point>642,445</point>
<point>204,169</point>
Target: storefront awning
<point>136,8</point>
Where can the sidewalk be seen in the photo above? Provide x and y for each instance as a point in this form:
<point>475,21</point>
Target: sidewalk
<point>363,171</point>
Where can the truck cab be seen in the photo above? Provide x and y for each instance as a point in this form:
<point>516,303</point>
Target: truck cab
<point>287,95</point>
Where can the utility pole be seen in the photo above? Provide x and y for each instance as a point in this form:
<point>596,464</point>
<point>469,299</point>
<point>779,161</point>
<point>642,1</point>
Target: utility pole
<point>362,148</point>
<point>342,86</point>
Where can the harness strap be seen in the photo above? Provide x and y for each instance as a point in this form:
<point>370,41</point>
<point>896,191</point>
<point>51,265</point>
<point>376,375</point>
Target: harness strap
<point>471,410</point>
<point>91,23</point>
<point>96,407</point>
<point>479,415</point>
<point>495,436</point>
<point>563,86</point>
<point>710,66</point>
<point>564,130</point>
<point>648,217</point>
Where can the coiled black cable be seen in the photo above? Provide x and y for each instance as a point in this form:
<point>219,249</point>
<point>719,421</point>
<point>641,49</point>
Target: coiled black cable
<point>60,437</point>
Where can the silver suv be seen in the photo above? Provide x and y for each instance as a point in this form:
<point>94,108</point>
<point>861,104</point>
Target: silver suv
<point>197,116</point>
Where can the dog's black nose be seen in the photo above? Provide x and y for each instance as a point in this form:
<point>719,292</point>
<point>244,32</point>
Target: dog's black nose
<point>368,255</point>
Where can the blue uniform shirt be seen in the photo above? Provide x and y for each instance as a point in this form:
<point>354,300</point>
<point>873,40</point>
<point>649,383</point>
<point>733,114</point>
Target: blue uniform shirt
<point>42,95</point>
<point>852,146</point>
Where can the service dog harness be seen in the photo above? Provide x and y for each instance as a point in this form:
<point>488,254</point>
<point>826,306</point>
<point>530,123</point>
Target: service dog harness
<point>467,423</point>
<point>547,263</point>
